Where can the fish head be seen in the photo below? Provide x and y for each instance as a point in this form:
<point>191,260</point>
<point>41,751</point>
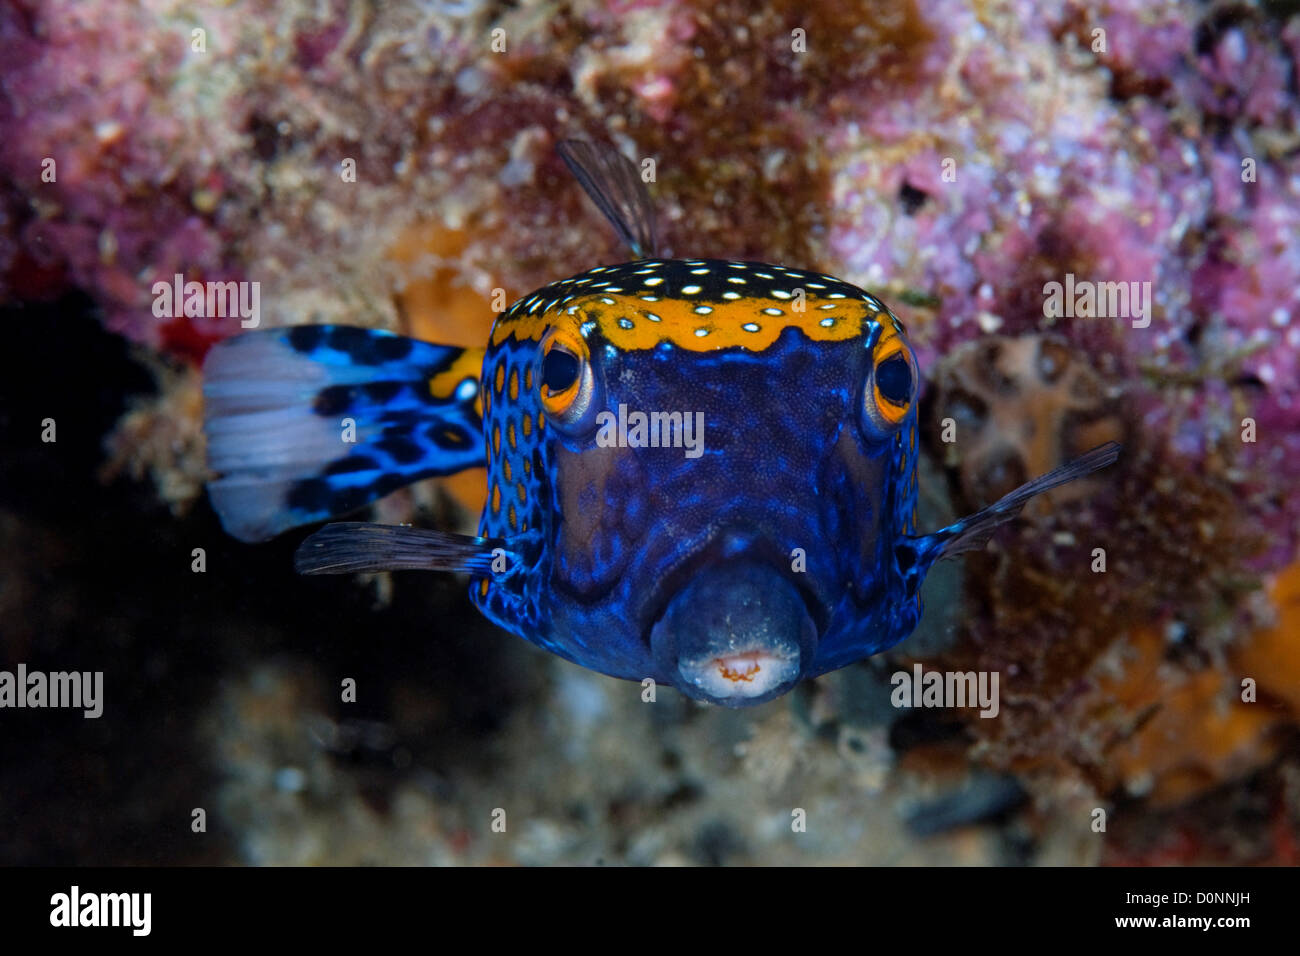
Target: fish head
<point>721,455</point>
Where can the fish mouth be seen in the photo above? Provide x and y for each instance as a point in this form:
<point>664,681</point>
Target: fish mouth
<point>737,633</point>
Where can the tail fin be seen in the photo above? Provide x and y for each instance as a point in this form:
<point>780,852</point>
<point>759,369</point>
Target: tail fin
<point>309,422</point>
<point>916,555</point>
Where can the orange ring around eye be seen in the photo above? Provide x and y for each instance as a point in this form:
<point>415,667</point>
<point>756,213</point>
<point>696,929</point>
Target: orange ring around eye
<point>557,403</point>
<point>891,343</point>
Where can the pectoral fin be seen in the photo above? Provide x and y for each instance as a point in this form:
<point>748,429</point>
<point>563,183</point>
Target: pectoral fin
<point>916,555</point>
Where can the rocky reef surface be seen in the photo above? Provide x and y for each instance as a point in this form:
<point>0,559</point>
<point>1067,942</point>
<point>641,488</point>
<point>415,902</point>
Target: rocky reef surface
<point>391,165</point>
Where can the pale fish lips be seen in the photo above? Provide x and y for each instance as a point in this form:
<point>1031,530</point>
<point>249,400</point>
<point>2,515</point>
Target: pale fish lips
<point>739,677</point>
<point>736,634</point>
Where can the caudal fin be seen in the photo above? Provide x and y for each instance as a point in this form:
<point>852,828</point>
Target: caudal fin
<point>314,421</point>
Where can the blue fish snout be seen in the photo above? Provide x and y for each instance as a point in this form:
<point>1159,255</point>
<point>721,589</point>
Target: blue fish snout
<point>736,634</point>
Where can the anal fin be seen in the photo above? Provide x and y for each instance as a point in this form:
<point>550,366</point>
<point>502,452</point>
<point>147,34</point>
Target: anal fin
<point>348,547</point>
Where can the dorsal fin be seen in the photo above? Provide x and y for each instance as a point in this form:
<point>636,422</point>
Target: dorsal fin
<point>615,186</point>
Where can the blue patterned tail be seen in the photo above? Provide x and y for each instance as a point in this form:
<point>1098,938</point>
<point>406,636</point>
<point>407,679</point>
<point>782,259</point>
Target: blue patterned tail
<point>314,421</point>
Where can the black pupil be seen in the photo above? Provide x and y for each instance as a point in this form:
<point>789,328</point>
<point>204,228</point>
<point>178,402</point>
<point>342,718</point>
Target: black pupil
<point>559,370</point>
<point>894,379</point>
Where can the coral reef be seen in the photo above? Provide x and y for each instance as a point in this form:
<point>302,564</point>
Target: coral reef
<point>1018,408</point>
<point>1070,153</point>
<point>392,165</point>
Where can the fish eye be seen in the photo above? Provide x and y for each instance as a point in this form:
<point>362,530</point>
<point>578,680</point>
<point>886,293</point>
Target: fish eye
<point>559,370</point>
<point>891,385</point>
<point>567,382</point>
<point>894,380</point>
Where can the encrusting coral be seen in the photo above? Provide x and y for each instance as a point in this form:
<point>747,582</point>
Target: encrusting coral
<point>393,166</point>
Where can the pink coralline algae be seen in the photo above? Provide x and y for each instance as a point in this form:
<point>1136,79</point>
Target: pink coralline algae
<point>108,187</point>
<point>1167,158</point>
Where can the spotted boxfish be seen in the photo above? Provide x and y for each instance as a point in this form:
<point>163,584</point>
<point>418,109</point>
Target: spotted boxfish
<point>700,472</point>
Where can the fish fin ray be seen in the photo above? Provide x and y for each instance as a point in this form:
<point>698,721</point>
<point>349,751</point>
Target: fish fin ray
<point>974,531</point>
<point>615,186</point>
<point>276,407</point>
<point>348,547</point>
